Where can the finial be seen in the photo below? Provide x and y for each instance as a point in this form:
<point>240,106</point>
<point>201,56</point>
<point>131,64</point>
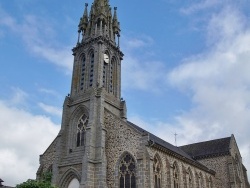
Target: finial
<point>115,8</point>
<point>86,4</point>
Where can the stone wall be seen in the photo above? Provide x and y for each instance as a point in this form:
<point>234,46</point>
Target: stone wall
<point>47,159</point>
<point>220,166</point>
<point>122,138</point>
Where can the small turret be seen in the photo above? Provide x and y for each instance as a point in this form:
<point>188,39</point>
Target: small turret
<point>84,20</point>
<point>116,24</point>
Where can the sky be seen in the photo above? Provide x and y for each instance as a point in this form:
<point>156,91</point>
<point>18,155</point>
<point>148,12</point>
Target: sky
<point>185,71</point>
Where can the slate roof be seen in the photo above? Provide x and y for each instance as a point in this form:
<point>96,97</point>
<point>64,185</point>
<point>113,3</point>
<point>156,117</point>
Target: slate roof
<point>176,150</point>
<point>208,148</point>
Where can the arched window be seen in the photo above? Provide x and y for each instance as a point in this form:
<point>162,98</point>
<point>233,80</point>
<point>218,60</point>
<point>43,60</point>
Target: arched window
<point>111,79</point>
<point>105,69</point>
<point>189,179</point>
<point>175,176</point>
<point>91,69</point>
<point>210,185</point>
<point>201,180</point>
<point>157,172</point>
<point>74,183</point>
<point>81,129</point>
<point>83,72</point>
<point>127,172</point>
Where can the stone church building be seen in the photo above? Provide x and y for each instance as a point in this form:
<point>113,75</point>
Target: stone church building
<point>97,147</point>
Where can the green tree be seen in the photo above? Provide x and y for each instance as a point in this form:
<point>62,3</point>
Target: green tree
<point>44,182</point>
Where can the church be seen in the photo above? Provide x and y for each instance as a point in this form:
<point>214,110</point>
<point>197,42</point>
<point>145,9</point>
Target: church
<point>98,147</point>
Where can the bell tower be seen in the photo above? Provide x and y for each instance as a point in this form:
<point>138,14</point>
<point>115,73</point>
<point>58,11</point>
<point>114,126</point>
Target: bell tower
<point>98,58</point>
<point>95,87</point>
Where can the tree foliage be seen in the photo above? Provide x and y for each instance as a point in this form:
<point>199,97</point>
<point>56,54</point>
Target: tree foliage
<point>44,182</point>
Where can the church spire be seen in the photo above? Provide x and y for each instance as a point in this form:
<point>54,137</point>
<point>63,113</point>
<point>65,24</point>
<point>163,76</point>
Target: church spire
<point>99,22</point>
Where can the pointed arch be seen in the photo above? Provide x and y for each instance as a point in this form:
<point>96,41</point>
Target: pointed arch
<point>126,171</point>
<point>74,183</point>
<point>81,130</point>
<point>168,173</point>
<point>209,182</point>
<point>183,174</point>
<point>77,126</point>
<point>157,170</point>
<point>189,178</point>
<point>113,76</point>
<point>91,67</point>
<point>68,176</point>
<point>176,175</point>
<point>105,70</point>
<point>197,180</point>
<point>201,180</point>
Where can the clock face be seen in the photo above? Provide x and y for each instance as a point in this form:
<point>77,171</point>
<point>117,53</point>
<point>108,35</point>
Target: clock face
<point>106,58</point>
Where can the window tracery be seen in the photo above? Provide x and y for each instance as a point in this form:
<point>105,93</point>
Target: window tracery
<point>175,176</point>
<point>127,172</point>
<point>189,179</point>
<point>200,180</point>
<point>81,129</point>
<point>210,182</point>
<point>157,172</point>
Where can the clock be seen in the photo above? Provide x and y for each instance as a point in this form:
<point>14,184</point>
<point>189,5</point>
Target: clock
<point>106,58</point>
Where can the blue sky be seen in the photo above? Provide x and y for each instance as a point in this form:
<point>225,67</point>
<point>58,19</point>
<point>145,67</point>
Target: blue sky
<point>185,70</point>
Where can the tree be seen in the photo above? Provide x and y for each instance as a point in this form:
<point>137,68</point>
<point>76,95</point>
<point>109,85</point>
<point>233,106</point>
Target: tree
<point>44,182</point>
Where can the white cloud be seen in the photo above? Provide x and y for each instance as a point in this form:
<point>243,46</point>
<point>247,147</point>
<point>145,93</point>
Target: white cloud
<point>38,36</point>
<point>22,143</point>
<point>18,97</point>
<point>51,109</point>
<point>204,4</point>
<point>49,91</point>
<point>218,82</point>
<point>139,71</point>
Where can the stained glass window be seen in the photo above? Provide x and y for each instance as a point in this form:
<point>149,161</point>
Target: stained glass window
<point>157,173</point>
<point>189,179</point>
<point>81,129</point>
<point>127,172</point>
<point>175,176</point>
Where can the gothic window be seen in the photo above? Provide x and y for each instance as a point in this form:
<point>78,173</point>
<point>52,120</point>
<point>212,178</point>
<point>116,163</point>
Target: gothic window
<point>210,182</point>
<point>200,180</point>
<point>81,129</point>
<point>104,74</point>
<point>105,69</point>
<point>111,76</point>
<point>175,176</point>
<point>157,172</point>
<point>189,179</point>
<point>197,179</point>
<point>127,172</point>
<point>91,69</point>
<point>83,73</point>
